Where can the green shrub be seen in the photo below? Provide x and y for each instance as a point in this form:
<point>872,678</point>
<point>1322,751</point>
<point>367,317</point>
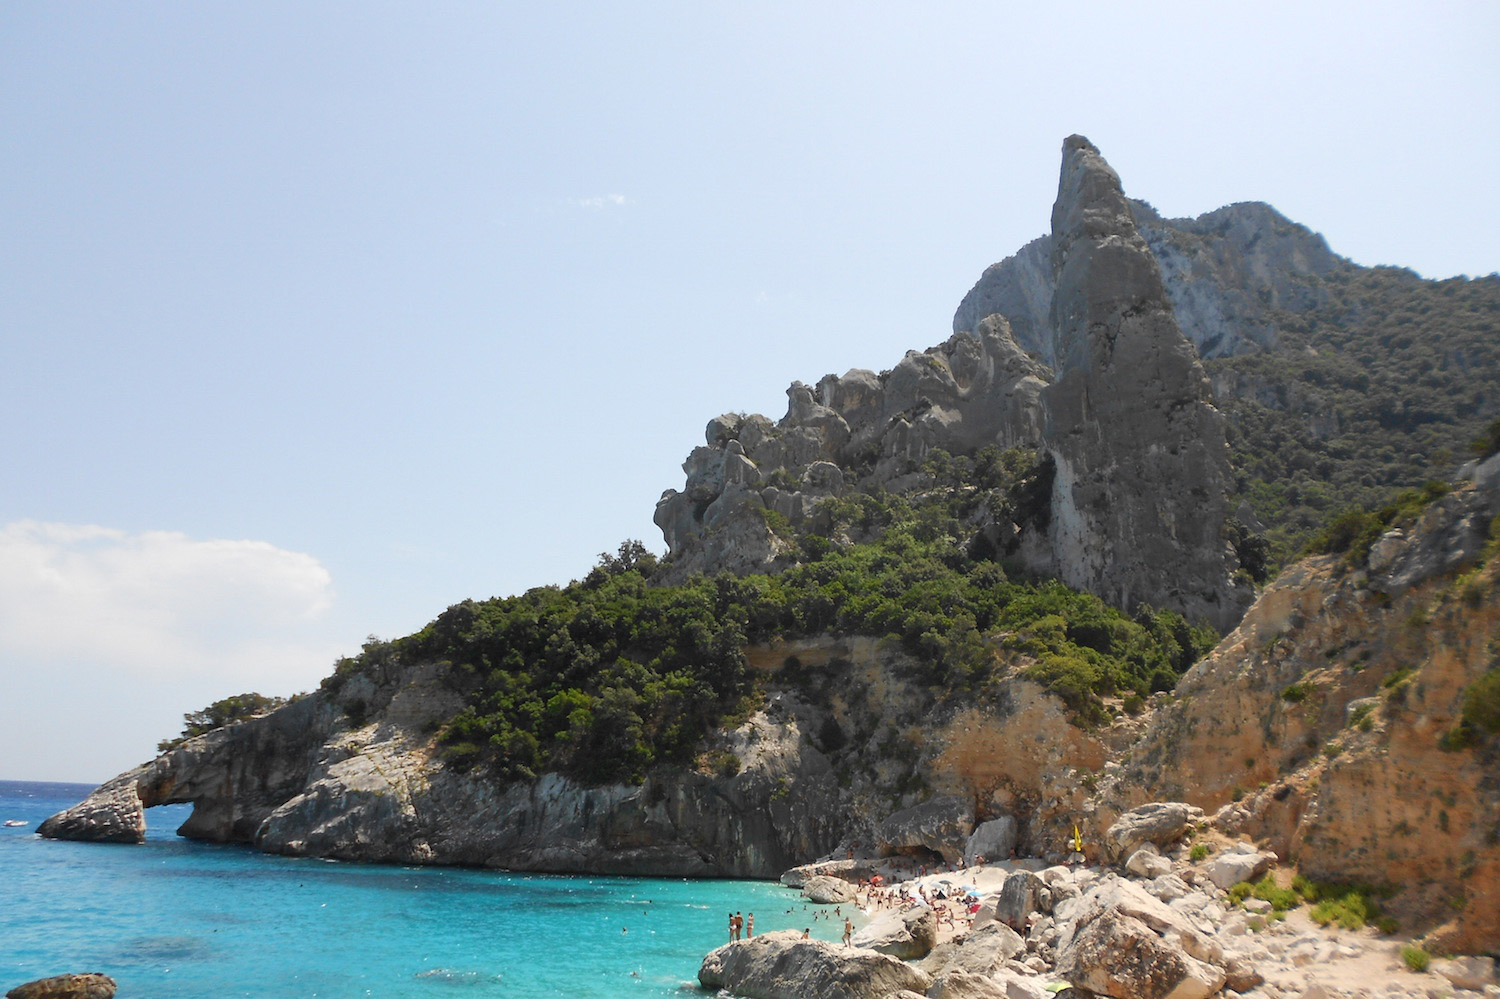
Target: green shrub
<point>1198,852</point>
<point>1457,738</point>
<point>1487,443</point>
<point>1396,678</point>
<point>1350,533</point>
<point>1481,706</point>
<point>1296,693</point>
<point>1281,899</point>
<point>1416,957</point>
<point>1347,905</point>
<point>723,763</point>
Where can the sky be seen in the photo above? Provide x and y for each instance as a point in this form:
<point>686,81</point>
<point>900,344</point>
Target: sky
<point>319,317</point>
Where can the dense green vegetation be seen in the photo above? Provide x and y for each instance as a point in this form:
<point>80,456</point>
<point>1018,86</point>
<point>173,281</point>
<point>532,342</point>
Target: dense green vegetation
<point>1384,385</point>
<point>221,713</point>
<point>611,675</point>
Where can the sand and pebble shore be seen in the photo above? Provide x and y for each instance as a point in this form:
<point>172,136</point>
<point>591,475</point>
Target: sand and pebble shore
<point>1023,929</point>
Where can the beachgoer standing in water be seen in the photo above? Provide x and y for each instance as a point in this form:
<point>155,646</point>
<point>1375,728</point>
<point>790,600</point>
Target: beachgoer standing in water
<point>848,930</point>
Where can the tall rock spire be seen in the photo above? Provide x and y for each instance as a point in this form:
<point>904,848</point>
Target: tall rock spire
<point>1138,504</point>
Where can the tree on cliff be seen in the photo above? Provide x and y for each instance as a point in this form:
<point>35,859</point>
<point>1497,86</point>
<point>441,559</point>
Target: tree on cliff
<point>221,713</point>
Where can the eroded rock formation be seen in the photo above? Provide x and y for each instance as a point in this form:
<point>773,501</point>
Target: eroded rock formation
<point>1137,504</point>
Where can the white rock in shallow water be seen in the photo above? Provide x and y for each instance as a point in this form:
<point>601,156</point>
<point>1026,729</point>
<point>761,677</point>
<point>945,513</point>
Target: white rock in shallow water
<point>827,891</point>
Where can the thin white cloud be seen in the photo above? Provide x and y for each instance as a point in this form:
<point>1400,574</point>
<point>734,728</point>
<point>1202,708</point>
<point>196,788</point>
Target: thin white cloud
<point>601,202</point>
<point>159,604</point>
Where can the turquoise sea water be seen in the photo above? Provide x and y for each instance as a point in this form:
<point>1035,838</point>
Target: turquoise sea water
<point>175,918</point>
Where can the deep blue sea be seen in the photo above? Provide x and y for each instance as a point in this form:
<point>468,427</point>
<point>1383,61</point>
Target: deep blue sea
<point>175,918</point>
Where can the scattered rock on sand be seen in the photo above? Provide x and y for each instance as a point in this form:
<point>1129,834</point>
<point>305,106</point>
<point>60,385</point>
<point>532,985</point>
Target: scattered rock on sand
<point>1240,863</point>
<point>1467,972</point>
<point>782,965</point>
<point>89,985</point>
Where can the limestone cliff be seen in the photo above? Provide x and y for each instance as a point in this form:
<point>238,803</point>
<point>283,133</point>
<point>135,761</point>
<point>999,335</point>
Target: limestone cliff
<point>1233,275</point>
<point>1137,507</point>
<point>1329,723</point>
<point>309,779</point>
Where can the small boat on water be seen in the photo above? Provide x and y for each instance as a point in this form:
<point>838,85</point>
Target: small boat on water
<point>13,823</point>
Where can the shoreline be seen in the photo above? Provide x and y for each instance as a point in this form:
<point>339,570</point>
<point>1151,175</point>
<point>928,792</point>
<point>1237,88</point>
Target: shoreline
<point>1268,955</point>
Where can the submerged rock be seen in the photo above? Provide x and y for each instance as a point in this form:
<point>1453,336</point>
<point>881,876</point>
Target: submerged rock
<point>88,985</point>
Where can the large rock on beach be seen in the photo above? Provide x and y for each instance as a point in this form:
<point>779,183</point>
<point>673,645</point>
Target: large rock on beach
<point>1160,823</point>
<point>992,840</point>
<point>908,935</point>
<point>855,870</point>
<point>1022,894</point>
<point>1147,862</point>
<point>1122,942</point>
<point>1472,972</point>
<point>966,985</point>
<point>88,985</point>
<point>941,825</point>
<point>983,951</point>
<point>1242,863</point>
<point>782,965</point>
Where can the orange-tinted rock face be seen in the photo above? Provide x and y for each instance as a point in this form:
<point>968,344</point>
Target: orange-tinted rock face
<point>1320,724</point>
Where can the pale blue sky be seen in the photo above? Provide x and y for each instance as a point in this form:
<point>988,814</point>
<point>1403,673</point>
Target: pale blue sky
<point>318,317</point>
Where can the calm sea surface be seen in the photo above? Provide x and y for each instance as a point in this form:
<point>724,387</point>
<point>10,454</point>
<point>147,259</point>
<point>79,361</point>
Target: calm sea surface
<point>175,918</point>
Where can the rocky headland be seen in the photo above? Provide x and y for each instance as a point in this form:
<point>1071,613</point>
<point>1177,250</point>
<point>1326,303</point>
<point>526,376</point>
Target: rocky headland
<point>1342,728</point>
